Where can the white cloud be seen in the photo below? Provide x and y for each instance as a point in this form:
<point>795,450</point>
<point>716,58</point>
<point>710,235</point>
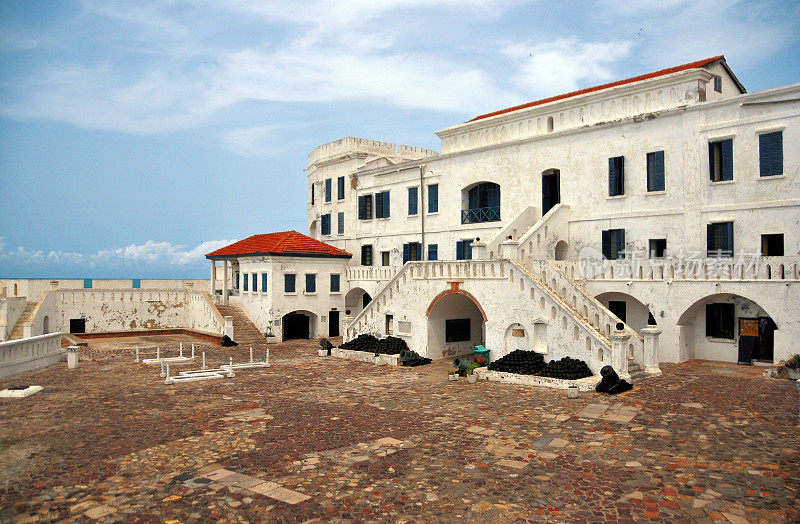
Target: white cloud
<point>151,253</point>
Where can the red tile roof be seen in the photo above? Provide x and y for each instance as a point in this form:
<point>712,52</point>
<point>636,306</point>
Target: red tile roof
<point>285,243</point>
<point>663,72</point>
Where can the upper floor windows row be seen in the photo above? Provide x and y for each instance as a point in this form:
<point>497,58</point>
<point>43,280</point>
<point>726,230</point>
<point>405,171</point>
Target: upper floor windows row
<point>329,189</point>
<point>382,206</point>
<point>290,283</point>
<point>325,224</point>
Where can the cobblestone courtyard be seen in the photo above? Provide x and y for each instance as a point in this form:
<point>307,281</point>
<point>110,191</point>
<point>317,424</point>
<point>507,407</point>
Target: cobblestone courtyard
<point>326,439</point>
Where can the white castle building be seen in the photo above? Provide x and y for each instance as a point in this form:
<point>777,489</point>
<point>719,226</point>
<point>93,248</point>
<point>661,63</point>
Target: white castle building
<point>669,202</point>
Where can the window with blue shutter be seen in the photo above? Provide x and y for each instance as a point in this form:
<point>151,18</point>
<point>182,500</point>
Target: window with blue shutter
<point>244,281</point>
<point>719,239</point>
<point>87,283</point>
<point>235,280</point>
<point>382,204</point>
<point>614,244</point>
<point>136,283</point>
<point>413,197</point>
<point>340,224</point>
<point>263,282</point>
<point>312,194</point>
<point>616,176</point>
<point>433,251</point>
<point>412,251</point>
<point>340,188</point>
<point>365,207</point>
<point>255,282</point>
<point>770,153</point>
<point>720,160</point>
<point>327,190</point>
<point>655,171</point>
<point>289,281</point>
<point>335,283</point>
<point>433,198</point>
<point>366,255</point>
<point>311,283</point>
<point>326,224</point>
<point>464,250</point>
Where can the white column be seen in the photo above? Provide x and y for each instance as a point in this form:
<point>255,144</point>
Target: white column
<point>213,277</point>
<point>619,353</point>
<point>650,335</point>
<point>225,282</point>
<point>509,248</point>
<point>479,250</point>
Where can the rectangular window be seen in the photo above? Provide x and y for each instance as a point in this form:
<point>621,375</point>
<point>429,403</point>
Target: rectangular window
<point>464,250</point>
<point>772,245</point>
<point>327,190</point>
<point>719,239</point>
<point>614,244</point>
<point>87,283</point>
<point>336,283</point>
<point>340,188</point>
<point>616,176</point>
<point>457,330</point>
<point>389,324</point>
<point>658,247</point>
<point>311,283</point>
<point>263,282</point>
<point>412,251</point>
<point>340,223</point>
<point>719,320</point>
<point>382,204</point>
<point>770,153</point>
<point>385,261</point>
<point>366,255</point>
<point>244,282</point>
<point>413,199</point>
<point>655,171</point>
<point>312,194</point>
<point>235,280</point>
<point>255,282</point>
<point>289,281</point>
<point>718,83</point>
<point>720,160</point>
<point>136,283</point>
<point>326,224</point>
<point>365,207</point>
<point>433,198</point>
<point>433,251</point>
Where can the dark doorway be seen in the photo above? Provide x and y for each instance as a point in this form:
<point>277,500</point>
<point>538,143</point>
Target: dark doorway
<point>618,307</point>
<point>765,344</point>
<point>333,324</point>
<point>367,300</point>
<point>772,245</point>
<point>77,325</point>
<point>296,325</point>
<point>551,190</point>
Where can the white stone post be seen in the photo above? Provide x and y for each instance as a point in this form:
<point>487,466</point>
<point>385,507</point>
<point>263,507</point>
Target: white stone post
<point>619,353</point>
<point>213,277</point>
<point>650,335</point>
<point>72,357</point>
<point>225,282</point>
<point>479,250</point>
<point>229,327</point>
<point>509,248</point>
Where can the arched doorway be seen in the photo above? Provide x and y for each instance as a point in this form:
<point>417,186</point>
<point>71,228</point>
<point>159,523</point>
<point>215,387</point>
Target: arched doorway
<point>356,300</point>
<point>551,189</point>
<point>298,325</point>
<point>628,308</point>
<point>455,325</point>
<point>517,337</point>
<point>561,250</point>
<point>46,325</point>
<point>480,203</point>
<point>726,327</point>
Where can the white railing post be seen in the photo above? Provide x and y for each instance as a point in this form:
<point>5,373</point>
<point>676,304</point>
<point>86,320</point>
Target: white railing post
<point>619,353</point>
<point>228,327</point>
<point>650,334</point>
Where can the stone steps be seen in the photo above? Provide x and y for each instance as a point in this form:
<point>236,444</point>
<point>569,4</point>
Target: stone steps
<point>17,332</point>
<point>636,371</point>
<point>245,332</point>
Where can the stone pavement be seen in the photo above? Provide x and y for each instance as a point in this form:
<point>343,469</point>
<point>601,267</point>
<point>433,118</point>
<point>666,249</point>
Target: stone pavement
<point>323,439</point>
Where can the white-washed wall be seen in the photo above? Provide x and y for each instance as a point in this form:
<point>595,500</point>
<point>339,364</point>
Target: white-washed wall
<point>28,354</point>
<point>11,309</point>
<point>203,315</point>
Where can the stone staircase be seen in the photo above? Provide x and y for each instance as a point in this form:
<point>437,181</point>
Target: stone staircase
<point>636,371</point>
<point>17,333</point>
<point>245,333</point>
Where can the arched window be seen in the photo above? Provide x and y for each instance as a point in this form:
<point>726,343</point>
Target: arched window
<point>483,204</point>
<point>549,124</point>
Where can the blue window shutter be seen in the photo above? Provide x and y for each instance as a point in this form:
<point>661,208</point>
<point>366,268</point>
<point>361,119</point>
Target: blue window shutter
<point>711,160</point>
<point>651,167</point>
<point>327,190</point>
<point>386,204</point>
<point>474,197</point>
<point>136,283</point>
<point>728,238</point>
<point>727,159</point>
<point>263,282</point>
<point>413,200</point>
<point>711,245</point>
<point>494,195</point>
<point>378,205</point>
<point>312,194</point>
<point>289,283</point>
<point>433,198</point>
<point>660,183</point>
<point>468,249</point>
<point>764,152</point>
<point>236,280</point>
<point>607,244</point>
<point>362,212</point>
<point>459,250</point>
<point>341,223</point>
<point>612,177</point>
<point>340,188</point>
<point>770,147</point>
<point>244,281</point>
<point>255,282</point>
<point>433,252</point>
<point>620,243</point>
<point>621,175</point>
<point>406,252</point>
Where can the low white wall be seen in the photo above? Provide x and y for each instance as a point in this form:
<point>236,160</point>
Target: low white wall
<point>203,315</point>
<point>11,309</point>
<point>34,288</point>
<point>28,354</point>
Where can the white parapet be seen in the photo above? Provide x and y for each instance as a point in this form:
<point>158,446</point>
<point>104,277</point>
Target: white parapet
<point>28,354</point>
<point>583,384</point>
<point>366,356</point>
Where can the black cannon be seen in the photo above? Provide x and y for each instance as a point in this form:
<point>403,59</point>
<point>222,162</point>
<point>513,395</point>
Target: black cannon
<point>611,383</point>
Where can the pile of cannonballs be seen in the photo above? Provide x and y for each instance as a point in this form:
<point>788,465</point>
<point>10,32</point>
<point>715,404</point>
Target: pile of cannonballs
<point>371,344</point>
<point>532,363</point>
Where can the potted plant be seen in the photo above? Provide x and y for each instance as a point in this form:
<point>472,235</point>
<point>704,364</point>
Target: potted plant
<point>471,376</point>
<point>452,375</point>
<point>793,367</point>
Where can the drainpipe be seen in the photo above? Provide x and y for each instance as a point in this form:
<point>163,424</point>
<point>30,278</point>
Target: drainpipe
<point>422,202</point>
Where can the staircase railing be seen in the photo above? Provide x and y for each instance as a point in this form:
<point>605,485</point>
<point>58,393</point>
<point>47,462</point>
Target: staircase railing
<point>534,243</point>
<point>350,330</point>
<point>524,221</point>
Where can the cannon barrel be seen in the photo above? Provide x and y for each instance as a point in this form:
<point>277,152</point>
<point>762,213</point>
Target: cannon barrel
<point>461,363</point>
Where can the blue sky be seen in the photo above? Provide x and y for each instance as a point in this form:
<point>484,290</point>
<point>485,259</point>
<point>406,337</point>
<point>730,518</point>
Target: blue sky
<point>137,136</point>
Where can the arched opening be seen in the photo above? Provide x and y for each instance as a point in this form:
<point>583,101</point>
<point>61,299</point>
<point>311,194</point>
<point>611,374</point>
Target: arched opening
<point>299,324</point>
<point>628,308</point>
<point>561,250</point>
<point>480,203</point>
<point>516,337</point>
<point>312,229</point>
<point>549,124</point>
<point>551,189</point>
<point>15,290</point>
<point>355,300</point>
<point>726,327</point>
<point>455,325</point>
<point>46,325</point>
<point>540,337</point>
